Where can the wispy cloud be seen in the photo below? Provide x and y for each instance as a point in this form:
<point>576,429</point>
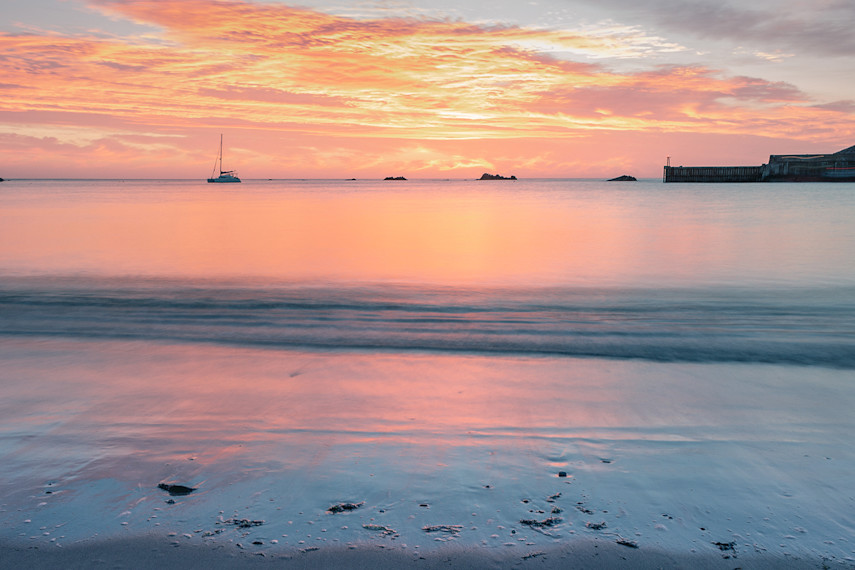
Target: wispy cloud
<point>822,27</point>
<point>846,106</point>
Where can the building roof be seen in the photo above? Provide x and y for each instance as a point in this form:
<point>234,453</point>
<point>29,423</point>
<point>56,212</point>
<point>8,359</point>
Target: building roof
<point>845,154</point>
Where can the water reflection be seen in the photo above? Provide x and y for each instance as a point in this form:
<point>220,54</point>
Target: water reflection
<point>78,402</point>
<point>447,233</point>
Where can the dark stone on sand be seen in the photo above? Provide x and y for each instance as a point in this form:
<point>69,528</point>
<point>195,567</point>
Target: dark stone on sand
<point>623,178</point>
<point>242,523</point>
<point>487,176</point>
<point>176,490</point>
<point>596,526</point>
<point>170,501</point>
<point>449,528</point>
<point>627,542</point>
<point>342,507</point>
<point>551,521</point>
<point>385,530</point>
<point>394,178</point>
<point>562,474</point>
<point>725,545</point>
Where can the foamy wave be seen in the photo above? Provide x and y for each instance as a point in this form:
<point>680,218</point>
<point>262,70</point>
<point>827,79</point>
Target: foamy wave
<point>687,325</point>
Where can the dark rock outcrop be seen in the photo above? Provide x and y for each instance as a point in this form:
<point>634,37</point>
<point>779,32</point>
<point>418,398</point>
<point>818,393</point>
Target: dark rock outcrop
<point>394,178</point>
<point>487,176</point>
<point>624,178</point>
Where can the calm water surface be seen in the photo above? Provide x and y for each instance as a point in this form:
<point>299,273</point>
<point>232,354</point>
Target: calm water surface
<point>452,233</point>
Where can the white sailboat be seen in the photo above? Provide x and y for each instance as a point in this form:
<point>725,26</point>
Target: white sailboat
<point>225,175</point>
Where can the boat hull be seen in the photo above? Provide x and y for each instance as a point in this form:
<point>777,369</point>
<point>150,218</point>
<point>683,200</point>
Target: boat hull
<point>224,179</point>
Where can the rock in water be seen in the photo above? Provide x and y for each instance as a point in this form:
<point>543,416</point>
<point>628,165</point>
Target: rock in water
<point>487,176</point>
<point>624,178</point>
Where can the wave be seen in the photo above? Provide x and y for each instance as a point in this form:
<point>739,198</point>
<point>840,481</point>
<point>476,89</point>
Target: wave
<point>786,326</point>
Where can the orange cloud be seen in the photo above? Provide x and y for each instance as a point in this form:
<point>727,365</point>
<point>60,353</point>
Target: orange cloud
<point>326,79</point>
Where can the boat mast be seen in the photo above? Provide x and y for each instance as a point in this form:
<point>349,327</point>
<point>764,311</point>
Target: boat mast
<point>221,153</point>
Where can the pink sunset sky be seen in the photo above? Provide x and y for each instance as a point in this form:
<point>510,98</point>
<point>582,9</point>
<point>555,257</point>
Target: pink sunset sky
<point>451,89</point>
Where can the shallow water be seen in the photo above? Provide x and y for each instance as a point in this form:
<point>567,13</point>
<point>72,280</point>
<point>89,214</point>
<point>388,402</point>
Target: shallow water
<point>681,351</point>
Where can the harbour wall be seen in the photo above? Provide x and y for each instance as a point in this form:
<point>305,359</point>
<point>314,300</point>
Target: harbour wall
<point>835,167</point>
<point>713,174</point>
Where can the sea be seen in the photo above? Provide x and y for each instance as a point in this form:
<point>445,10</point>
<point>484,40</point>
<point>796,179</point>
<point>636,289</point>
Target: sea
<point>645,270</point>
<point>400,344</point>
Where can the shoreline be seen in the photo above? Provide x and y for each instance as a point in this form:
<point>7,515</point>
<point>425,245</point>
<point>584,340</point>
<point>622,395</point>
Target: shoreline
<point>152,551</point>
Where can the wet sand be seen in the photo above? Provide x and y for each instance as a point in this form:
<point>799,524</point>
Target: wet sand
<point>150,552</point>
<point>447,460</point>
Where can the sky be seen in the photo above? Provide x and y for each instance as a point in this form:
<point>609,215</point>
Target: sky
<point>419,88</point>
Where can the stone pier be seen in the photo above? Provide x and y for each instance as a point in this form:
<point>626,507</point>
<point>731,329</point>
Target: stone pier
<point>712,174</point>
